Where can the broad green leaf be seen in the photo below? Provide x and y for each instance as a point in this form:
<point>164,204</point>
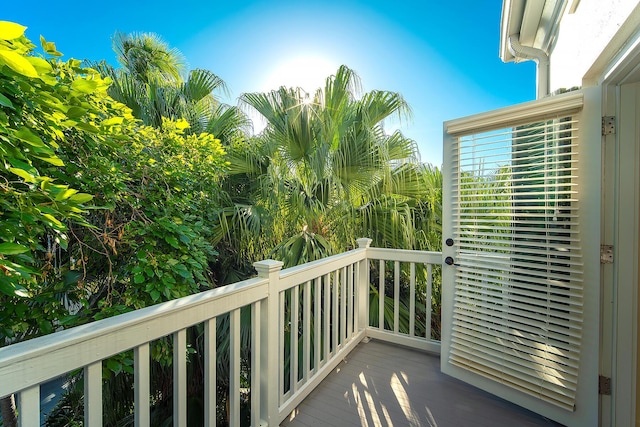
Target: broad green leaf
<point>26,135</point>
<point>21,292</point>
<point>81,198</point>
<point>155,295</point>
<point>6,102</point>
<point>23,271</point>
<point>182,271</point>
<point>172,241</point>
<point>76,112</point>
<point>66,320</point>
<point>182,124</point>
<point>23,174</point>
<point>62,240</point>
<point>54,160</point>
<point>42,66</point>
<point>51,219</point>
<point>11,30</point>
<point>113,121</point>
<point>114,366</point>
<point>66,194</point>
<point>17,63</point>
<point>45,326</point>
<point>12,248</point>
<point>7,287</point>
<point>138,278</point>
<point>87,127</point>
<point>22,165</point>
<point>72,277</point>
<point>49,47</point>
<point>84,85</point>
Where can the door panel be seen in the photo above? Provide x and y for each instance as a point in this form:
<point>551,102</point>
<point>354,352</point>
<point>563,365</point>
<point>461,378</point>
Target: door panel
<point>521,288</point>
<point>625,279</point>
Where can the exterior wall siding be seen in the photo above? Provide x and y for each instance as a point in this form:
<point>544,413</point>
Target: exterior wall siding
<point>582,37</point>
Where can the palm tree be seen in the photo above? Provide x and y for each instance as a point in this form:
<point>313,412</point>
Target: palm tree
<point>153,82</point>
<point>329,171</point>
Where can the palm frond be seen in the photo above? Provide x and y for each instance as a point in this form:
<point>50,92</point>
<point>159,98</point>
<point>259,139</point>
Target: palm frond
<point>147,57</point>
<point>201,84</point>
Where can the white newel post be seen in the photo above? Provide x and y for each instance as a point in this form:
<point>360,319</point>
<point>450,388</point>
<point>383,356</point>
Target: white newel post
<point>363,287</point>
<point>269,364</point>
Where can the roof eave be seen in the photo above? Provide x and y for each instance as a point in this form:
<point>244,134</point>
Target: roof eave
<point>535,23</point>
<point>510,22</point>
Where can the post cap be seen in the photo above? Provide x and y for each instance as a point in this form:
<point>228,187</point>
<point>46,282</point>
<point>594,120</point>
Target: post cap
<point>267,267</point>
<point>364,242</point>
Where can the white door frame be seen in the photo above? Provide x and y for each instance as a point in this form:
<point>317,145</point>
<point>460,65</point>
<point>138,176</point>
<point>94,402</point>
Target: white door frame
<point>620,227</point>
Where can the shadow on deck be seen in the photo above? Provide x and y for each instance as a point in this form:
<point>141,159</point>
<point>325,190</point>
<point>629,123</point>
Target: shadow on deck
<point>381,384</point>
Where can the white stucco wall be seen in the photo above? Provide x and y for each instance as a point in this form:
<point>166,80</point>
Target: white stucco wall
<point>582,36</point>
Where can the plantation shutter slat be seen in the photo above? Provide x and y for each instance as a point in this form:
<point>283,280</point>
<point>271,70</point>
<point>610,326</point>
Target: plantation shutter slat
<point>517,308</point>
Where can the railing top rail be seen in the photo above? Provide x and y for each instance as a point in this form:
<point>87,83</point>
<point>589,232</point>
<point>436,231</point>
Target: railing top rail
<point>405,255</point>
<point>302,273</point>
<point>58,353</point>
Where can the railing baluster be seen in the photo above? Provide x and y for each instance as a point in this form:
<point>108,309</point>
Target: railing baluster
<point>142,386</point>
<point>428,299</point>
<point>280,346</point>
<point>381,297</point>
<point>255,364</point>
<point>29,407</point>
<point>317,322</point>
<point>412,299</point>
<point>343,307</point>
<point>234,367</point>
<point>335,321</point>
<point>210,371</point>
<point>350,302</point>
<point>306,331</point>
<point>295,301</point>
<point>327,311</point>
<point>396,297</point>
<point>93,394</point>
<point>180,378</point>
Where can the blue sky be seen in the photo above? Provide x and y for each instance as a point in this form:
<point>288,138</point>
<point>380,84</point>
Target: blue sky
<point>441,56</point>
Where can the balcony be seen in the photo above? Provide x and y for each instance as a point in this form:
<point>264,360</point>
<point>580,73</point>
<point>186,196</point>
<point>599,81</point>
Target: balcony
<point>345,365</point>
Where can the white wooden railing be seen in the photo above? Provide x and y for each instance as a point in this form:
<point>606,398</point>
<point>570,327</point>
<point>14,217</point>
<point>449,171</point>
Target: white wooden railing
<point>310,316</point>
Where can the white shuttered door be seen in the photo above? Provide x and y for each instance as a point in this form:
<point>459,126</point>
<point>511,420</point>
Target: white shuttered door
<point>520,298</point>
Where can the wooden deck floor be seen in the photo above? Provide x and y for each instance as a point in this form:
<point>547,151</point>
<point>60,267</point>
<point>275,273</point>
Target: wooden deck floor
<point>385,385</point>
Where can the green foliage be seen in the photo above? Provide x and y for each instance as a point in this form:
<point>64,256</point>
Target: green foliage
<point>163,184</point>
<point>98,210</point>
<point>40,100</point>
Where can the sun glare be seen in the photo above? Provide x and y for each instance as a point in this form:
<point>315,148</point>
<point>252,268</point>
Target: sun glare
<point>307,71</point>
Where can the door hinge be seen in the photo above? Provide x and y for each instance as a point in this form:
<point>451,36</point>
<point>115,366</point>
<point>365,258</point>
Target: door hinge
<point>608,125</point>
<point>604,385</point>
<point>606,254</point>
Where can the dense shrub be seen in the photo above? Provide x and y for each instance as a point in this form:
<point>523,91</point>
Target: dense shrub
<point>100,213</point>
